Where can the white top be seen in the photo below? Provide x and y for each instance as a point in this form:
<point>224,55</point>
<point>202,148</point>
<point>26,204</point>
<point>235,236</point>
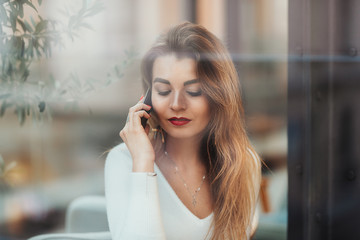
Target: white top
<point>142,206</point>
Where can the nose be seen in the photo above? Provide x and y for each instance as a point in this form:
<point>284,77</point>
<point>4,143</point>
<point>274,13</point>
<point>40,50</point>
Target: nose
<point>178,102</point>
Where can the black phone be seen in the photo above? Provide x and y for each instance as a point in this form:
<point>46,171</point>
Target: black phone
<point>147,101</point>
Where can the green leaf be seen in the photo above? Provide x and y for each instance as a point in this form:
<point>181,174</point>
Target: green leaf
<point>13,21</point>
<point>82,12</point>
<point>84,3</point>
<point>28,27</point>
<point>30,49</point>
<point>21,115</point>
<point>21,11</point>
<point>86,25</point>
<point>90,87</point>
<point>75,34</point>
<point>3,108</point>
<point>22,48</point>
<point>13,9</point>
<point>22,25</point>
<point>38,53</point>
<point>93,11</point>
<point>118,72</point>
<point>28,109</point>
<point>32,21</point>
<point>72,21</point>
<point>33,114</point>
<point>42,106</point>
<point>41,26</point>
<point>16,47</point>
<point>108,82</point>
<point>23,70</point>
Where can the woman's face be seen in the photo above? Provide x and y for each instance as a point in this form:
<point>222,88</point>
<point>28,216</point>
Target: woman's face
<point>177,99</point>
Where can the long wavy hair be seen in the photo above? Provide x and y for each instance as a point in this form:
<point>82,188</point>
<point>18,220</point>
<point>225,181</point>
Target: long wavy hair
<point>233,166</point>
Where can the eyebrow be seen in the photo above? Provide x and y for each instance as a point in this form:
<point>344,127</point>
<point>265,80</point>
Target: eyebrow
<point>161,80</point>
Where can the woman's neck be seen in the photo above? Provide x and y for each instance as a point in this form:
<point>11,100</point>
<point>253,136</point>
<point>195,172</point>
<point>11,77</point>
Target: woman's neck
<point>184,152</point>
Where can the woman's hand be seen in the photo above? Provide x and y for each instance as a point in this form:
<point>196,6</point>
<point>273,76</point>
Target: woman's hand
<point>136,139</point>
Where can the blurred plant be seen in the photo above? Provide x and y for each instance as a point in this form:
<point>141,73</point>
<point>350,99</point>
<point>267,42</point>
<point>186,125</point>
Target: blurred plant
<point>25,36</point>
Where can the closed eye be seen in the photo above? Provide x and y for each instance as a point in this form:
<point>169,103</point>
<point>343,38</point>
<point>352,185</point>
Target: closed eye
<point>164,93</point>
<point>195,94</point>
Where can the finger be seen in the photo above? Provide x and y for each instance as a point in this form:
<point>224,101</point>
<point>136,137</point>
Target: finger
<point>146,107</point>
<point>137,108</point>
<point>143,113</point>
<point>136,120</point>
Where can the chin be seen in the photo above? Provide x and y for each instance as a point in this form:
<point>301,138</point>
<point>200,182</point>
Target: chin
<point>184,133</point>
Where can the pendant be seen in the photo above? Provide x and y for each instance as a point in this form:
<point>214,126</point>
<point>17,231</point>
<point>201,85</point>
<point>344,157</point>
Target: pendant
<point>194,201</point>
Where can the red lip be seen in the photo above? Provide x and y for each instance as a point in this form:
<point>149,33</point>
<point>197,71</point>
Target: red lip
<point>179,121</point>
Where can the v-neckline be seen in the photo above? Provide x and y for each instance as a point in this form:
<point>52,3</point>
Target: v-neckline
<point>187,210</point>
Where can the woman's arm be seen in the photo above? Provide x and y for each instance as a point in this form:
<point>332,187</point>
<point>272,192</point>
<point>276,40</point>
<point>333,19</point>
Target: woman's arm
<point>132,199</point>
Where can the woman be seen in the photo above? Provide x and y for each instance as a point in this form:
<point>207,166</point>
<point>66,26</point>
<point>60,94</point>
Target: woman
<point>191,173</point>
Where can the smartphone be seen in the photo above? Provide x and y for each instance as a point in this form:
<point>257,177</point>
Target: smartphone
<point>147,101</point>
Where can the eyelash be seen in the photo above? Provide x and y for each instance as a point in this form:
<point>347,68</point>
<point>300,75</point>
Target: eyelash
<point>193,94</point>
<point>164,93</point>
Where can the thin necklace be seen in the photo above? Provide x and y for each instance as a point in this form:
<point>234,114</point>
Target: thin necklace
<point>193,195</point>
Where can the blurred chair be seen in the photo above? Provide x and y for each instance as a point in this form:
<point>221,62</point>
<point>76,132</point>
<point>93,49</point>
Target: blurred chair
<point>85,219</point>
<point>273,217</point>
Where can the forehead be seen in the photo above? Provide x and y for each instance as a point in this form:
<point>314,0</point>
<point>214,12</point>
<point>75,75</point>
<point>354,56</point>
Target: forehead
<point>171,68</point>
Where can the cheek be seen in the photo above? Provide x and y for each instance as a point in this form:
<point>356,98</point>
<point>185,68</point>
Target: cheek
<point>159,105</point>
<point>203,109</point>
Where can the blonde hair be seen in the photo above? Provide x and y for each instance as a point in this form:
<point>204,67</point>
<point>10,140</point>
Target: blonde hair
<point>233,172</point>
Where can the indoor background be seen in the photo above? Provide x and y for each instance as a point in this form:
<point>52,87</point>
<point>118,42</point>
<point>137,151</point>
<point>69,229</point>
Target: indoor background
<point>56,155</point>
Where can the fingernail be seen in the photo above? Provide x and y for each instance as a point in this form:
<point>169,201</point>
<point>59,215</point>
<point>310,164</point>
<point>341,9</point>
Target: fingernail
<point>148,105</point>
<point>141,97</point>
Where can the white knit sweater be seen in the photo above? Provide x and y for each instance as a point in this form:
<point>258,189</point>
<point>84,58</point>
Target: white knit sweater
<point>141,206</point>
